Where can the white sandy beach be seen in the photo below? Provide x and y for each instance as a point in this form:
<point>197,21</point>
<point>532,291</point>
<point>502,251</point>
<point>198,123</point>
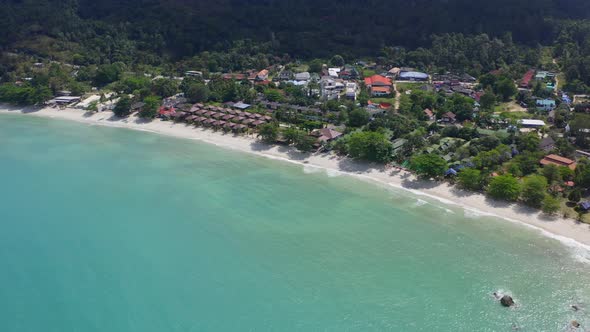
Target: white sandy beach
<point>565,230</point>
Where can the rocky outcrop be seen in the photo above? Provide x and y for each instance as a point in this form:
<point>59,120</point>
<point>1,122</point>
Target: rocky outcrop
<point>507,301</point>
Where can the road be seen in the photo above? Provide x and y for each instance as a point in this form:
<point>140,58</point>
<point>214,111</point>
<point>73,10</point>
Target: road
<point>397,98</point>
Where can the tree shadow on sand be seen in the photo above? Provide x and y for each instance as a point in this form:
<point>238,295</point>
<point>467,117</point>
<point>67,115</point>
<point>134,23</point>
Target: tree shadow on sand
<point>19,109</point>
<point>358,167</point>
<point>142,120</point>
<point>419,184</point>
<point>498,203</point>
<point>259,146</point>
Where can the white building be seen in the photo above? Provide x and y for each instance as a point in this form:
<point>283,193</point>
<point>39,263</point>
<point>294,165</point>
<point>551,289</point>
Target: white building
<point>193,73</point>
<point>532,123</point>
<point>64,100</point>
<point>351,90</point>
<point>333,72</point>
<point>305,76</point>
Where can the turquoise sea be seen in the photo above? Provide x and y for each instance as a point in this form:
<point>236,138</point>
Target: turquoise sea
<point>106,229</point>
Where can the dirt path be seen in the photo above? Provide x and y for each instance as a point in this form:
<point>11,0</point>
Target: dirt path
<point>556,76</point>
<point>397,98</point>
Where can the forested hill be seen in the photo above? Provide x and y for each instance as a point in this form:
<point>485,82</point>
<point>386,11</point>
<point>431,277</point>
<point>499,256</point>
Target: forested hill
<point>317,27</point>
<point>298,27</point>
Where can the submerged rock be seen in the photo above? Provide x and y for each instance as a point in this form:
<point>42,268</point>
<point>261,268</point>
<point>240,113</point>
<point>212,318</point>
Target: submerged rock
<point>507,301</point>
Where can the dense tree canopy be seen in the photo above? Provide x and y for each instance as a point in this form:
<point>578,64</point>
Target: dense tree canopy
<point>429,165</point>
<point>369,145</point>
<point>504,187</point>
<point>534,189</point>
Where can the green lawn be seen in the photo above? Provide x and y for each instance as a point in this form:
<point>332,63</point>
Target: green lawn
<point>546,57</point>
<point>383,100</point>
<point>301,68</point>
<point>402,87</point>
<point>511,106</point>
<point>368,72</point>
<point>571,213</point>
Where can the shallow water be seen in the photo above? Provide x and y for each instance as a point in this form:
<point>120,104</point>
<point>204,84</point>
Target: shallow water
<point>108,229</point>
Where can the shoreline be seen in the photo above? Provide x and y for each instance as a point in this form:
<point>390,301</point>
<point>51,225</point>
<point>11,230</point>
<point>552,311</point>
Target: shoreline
<point>567,231</point>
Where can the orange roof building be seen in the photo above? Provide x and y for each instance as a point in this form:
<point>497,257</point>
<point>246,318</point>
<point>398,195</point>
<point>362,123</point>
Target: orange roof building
<point>262,75</point>
<point>556,160</point>
<point>379,85</point>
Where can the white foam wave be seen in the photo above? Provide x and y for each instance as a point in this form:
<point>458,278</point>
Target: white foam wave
<point>307,169</point>
<point>420,202</point>
<point>474,214</point>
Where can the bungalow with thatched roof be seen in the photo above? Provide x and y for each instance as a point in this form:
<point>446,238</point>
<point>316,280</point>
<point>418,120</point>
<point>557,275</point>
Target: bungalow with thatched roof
<point>326,134</point>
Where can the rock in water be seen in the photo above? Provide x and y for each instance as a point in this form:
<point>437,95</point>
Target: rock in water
<point>507,301</point>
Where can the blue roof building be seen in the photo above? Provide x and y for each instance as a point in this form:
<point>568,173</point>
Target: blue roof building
<point>242,106</point>
<point>585,206</point>
<point>413,76</point>
<point>450,171</point>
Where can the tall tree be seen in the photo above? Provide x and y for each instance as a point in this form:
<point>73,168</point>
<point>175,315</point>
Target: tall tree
<point>123,106</point>
<point>371,146</point>
<point>504,187</point>
<point>470,179</point>
<point>268,132</point>
<point>150,107</point>
<point>534,188</point>
<point>428,165</point>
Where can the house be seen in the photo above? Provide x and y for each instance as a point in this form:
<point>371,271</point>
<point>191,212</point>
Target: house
<point>351,90</point>
<point>393,72</point>
<point>449,117</point>
<point>325,135</point>
<point>305,76</point>
<point>194,73</point>
<point>285,75</point>
<point>585,206</point>
<point>545,104</point>
<point>333,72</point>
<point>532,123</point>
<point>451,172</point>
<point>241,106</point>
<point>65,100</point>
<point>166,112</point>
<point>234,76</point>
<point>542,75</point>
<point>413,76</point>
<point>429,114</point>
<point>379,85</point>
<point>556,160</point>
<point>331,88</point>
<point>526,79</point>
<point>349,73</point>
<point>262,75</point>
<point>547,144</point>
